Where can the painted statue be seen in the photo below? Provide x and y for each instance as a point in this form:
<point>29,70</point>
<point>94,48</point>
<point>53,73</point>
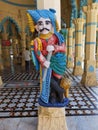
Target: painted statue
<point>64,31</point>
<point>48,54</point>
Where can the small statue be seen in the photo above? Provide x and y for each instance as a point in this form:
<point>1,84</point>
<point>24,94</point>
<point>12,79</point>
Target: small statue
<point>64,31</point>
<point>48,54</point>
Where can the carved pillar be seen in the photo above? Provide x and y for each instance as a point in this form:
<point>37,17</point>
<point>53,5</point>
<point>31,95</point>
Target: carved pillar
<point>89,75</point>
<point>14,46</point>
<point>97,50</point>
<point>66,42</point>
<point>78,70</point>
<point>23,34</point>
<point>1,61</point>
<point>70,48</point>
<point>23,44</point>
<point>28,41</point>
<point>6,51</point>
<point>73,43</point>
<point>83,51</point>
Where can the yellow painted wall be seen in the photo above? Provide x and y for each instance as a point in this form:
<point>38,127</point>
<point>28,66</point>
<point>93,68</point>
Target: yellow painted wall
<point>17,12</point>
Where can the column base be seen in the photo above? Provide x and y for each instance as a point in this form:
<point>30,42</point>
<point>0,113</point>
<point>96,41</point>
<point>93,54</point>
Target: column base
<point>51,118</point>
<point>78,71</point>
<point>89,79</point>
<point>69,65</point>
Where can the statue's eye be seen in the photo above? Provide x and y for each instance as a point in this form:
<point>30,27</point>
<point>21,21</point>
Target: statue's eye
<point>48,22</point>
<point>40,23</point>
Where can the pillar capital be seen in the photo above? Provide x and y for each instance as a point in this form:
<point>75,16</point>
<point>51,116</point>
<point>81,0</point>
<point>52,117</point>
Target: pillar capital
<point>22,34</point>
<point>91,8</point>
<point>79,20</point>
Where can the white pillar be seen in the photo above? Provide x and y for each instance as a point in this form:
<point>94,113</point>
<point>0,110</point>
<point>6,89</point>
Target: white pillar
<point>55,4</point>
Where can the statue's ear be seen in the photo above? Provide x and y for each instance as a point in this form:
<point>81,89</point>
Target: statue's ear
<point>36,27</point>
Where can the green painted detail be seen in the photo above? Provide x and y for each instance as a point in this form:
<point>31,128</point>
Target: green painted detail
<point>78,44</point>
<point>90,24</point>
<point>38,52</point>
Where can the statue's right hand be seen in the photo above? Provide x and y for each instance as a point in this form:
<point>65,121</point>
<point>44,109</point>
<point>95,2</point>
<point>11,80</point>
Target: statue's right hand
<point>50,48</point>
<point>46,64</point>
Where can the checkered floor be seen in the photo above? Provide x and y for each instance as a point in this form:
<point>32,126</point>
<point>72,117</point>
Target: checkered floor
<point>19,102</point>
<point>19,97</point>
<point>83,100</point>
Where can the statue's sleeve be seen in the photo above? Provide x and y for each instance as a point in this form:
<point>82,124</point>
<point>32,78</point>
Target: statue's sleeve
<point>60,48</point>
<point>37,50</point>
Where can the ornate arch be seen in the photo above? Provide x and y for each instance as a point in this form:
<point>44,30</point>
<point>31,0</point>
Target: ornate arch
<point>12,20</point>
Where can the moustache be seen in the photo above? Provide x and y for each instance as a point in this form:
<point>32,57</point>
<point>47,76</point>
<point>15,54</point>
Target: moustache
<point>44,29</point>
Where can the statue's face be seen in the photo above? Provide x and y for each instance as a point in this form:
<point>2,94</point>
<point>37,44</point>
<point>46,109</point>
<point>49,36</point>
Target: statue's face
<point>44,26</point>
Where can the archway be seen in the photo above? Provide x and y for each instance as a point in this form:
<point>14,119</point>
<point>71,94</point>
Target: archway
<point>10,41</point>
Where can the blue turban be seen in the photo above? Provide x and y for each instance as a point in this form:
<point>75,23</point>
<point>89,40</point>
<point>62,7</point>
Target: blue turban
<point>44,13</point>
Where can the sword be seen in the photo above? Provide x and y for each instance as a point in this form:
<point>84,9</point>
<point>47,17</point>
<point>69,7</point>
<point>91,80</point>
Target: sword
<point>45,70</point>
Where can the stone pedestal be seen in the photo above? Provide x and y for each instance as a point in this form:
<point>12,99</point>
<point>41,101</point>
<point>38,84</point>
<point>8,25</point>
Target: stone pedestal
<point>51,118</point>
